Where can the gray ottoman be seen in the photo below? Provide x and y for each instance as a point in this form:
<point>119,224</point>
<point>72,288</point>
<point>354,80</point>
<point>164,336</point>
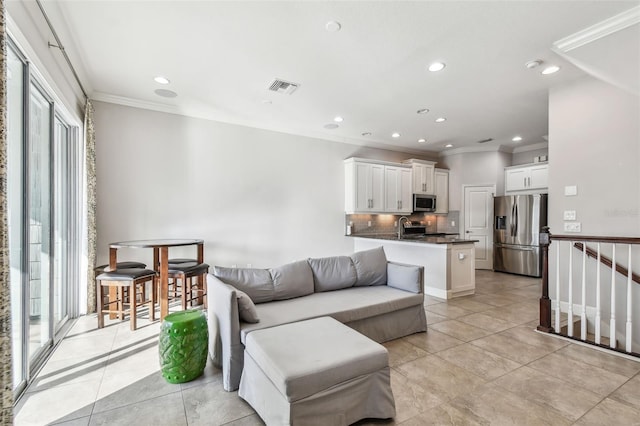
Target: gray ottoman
<point>316,372</point>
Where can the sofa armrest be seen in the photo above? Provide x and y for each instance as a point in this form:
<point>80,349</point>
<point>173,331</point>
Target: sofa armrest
<point>405,277</point>
<point>225,347</point>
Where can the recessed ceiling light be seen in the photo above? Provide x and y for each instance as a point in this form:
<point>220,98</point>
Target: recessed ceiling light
<point>331,126</point>
<point>165,93</point>
<point>517,138</point>
<point>436,66</point>
<point>338,119</point>
<point>533,64</point>
<point>366,133</point>
<point>267,101</point>
<point>395,135</point>
<point>551,69</point>
<point>422,111</point>
<point>333,26</point>
<point>161,80</point>
<point>448,145</point>
<point>422,140</point>
<point>440,120</point>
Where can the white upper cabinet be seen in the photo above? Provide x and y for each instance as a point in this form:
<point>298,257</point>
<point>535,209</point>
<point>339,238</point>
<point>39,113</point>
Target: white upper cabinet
<point>441,183</point>
<point>526,179</point>
<point>377,187</point>
<point>423,176</point>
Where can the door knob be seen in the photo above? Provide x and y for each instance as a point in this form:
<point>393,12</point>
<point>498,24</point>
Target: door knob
<point>468,232</point>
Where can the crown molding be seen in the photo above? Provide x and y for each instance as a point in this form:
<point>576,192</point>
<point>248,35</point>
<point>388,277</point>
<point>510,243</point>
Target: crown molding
<point>472,149</point>
<point>170,109</point>
<point>599,30</point>
<point>532,147</point>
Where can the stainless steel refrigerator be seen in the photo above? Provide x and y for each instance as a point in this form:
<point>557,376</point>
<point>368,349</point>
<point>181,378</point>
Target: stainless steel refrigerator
<point>516,229</point>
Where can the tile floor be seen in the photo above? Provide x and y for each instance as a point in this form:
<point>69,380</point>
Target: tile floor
<point>479,363</point>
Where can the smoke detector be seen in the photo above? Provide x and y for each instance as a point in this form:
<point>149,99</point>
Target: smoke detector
<point>284,87</point>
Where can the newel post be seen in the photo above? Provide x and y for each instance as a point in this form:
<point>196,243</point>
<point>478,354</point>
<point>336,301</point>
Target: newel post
<point>545,302</point>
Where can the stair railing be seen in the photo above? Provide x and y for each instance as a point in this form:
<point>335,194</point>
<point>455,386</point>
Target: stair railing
<point>552,311</point>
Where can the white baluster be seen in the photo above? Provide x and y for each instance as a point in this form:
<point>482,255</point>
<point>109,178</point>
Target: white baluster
<point>558,287</point>
<point>570,312</point>
<point>598,308</point>
<point>629,304</point>
<point>583,316</point>
<point>612,324</point>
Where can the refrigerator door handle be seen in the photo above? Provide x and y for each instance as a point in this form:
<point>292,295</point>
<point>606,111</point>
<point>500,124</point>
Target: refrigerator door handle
<point>518,248</point>
<point>515,233</point>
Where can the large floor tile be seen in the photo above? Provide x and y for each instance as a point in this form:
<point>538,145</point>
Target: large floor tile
<point>401,351</point>
<point>68,371</point>
<point>443,378</point>
<point>411,398</point>
<point>482,363</point>
<point>433,341</point>
<point>610,412</point>
<point>447,310</point>
<point>579,373</point>
<point>445,415</point>
<point>527,334</point>
<point>164,410</point>
<point>251,420</point>
<point>486,322</point>
<point>212,405</point>
<point>510,348</point>
<point>560,397</point>
<point>469,303</point>
<point>57,404</point>
<point>629,393</point>
<point>606,361</point>
<point>494,405</point>
<point>460,330</point>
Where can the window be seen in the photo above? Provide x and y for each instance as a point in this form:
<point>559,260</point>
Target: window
<point>43,181</point>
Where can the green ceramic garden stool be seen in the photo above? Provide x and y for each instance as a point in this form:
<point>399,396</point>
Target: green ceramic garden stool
<point>183,345</point>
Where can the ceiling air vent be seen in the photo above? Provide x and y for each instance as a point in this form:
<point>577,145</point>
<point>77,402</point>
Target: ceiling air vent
<point>485,140</point>
<point>284,87</point>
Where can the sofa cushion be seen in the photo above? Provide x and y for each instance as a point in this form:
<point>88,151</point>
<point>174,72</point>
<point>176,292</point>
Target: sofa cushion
<point>348,305</point>
<point>246,308</point>
<point>292,280</point>
<point>404,277</point>
<point>371,267</point>
<point>332,273</point>
<point>256,283</point>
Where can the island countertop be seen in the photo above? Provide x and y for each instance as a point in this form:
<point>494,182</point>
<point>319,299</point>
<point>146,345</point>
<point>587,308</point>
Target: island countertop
<point>415,239</point>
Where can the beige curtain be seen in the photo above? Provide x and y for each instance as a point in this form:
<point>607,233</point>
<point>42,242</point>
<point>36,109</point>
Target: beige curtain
<point>90,138</point>
<point>6,383</point>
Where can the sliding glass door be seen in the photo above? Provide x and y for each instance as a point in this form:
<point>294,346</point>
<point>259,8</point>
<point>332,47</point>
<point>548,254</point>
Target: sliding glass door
<point>43,181</point>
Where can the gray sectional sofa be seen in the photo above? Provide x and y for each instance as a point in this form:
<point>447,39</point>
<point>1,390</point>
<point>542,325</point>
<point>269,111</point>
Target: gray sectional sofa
<point>382,300</point>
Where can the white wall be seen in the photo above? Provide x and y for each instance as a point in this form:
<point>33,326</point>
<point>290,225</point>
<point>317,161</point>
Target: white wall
<point>594,143</point>
<point>254,196</point>
<point>526,157</point>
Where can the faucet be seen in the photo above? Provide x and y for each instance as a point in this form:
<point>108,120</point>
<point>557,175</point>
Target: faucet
<point>400,226</point>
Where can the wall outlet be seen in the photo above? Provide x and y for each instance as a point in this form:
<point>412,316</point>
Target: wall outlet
<point>395,223</point>
<point>453,223</point>
<point>369,224</point>
<point>234,266</point>
<point>572,227</point>
<point>569,215</point>
<point>428,223</point>
<point>249,265</point>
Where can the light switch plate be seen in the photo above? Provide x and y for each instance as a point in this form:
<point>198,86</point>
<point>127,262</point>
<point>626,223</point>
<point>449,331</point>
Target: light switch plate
<point>569,215</point>
<point>572,227</point>
<point>570,190</point>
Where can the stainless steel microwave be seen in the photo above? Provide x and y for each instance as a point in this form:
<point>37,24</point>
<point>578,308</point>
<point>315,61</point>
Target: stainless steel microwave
<point>424,203</point>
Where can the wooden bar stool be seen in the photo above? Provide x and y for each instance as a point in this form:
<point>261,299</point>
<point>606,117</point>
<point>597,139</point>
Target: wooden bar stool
<point>183,276</point>
<point>119,293</point>
<point>133,279</point>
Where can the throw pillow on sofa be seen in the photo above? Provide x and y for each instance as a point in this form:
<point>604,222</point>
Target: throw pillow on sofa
<point>256,283</point>
<point>371,267</point>
<point>292,280</point>
<point>332,273</point>
<point>246,308</point>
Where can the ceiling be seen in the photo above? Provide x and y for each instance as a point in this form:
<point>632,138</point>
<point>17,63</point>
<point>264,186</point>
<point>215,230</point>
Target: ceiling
<point>221,57</point>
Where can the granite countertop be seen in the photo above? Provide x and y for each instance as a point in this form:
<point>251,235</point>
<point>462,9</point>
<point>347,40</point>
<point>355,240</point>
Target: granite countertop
<point>415,239</point>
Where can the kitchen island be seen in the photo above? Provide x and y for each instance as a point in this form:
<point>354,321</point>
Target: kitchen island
<point>449,263</point>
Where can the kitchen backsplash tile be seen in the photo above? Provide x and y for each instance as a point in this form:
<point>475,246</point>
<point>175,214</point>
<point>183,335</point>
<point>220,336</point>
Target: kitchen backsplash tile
<point>387,223</point>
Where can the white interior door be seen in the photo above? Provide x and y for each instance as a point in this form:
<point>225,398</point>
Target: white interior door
<point>478,222</point>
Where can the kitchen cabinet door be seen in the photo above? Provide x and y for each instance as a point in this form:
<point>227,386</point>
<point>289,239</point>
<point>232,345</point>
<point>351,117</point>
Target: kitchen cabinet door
<point>423,176</point>
<point>526,179</point>
<point>398,195</point>
<point>364,187</point>
<point>441,186</point>
<point>463,273</point>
